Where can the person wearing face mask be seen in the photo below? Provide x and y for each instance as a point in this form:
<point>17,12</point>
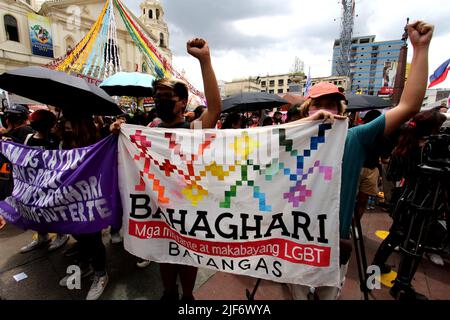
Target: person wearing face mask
<point>171,95</point>
<point>79,132</point>
<point>43,122</point>
<point>171,98</point>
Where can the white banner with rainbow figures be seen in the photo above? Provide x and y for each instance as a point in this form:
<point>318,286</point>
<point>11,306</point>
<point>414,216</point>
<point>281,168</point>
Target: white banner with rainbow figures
<point>262,202</point>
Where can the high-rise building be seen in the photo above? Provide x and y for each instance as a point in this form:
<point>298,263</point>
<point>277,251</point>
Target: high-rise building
<point>373,64</point>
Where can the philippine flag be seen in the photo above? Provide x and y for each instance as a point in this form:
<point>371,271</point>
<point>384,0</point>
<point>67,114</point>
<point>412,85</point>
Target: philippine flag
<point>440,74</point>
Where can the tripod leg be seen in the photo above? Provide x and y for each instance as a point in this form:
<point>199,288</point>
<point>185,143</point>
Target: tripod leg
<point>387,247</point>
<point>361,271</point>
<point>251,296</point>
<point>412,251</point>
<point>361,244</point>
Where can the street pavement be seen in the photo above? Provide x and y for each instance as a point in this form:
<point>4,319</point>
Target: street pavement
<point>128,282</point>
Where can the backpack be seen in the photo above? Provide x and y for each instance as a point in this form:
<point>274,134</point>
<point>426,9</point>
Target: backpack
<point>6,178</point>
<point>6,174</point>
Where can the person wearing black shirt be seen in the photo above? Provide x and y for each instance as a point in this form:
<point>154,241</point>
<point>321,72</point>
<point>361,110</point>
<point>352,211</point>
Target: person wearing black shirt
<point>17,123</point>
<point>16,119</point>
<point>171,99</point>
<point>43,121</point>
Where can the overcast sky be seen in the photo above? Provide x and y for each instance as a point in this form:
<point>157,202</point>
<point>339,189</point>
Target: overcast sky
<point>260,37</point>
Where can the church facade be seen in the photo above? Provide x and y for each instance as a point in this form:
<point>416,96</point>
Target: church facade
<point>68,22</point>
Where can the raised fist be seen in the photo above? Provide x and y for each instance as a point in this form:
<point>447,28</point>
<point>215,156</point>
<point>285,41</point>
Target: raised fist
<point>420,33</point>
<point>198,48</point>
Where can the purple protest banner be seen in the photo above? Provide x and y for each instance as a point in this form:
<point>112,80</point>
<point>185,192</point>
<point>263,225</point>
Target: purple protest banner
<point>64,191</point>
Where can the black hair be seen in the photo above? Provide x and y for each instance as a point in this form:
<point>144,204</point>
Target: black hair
<point>371,115</point>
<point>232,118</point>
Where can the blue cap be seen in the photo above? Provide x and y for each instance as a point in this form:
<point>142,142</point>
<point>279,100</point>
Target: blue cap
<point>18,109</point>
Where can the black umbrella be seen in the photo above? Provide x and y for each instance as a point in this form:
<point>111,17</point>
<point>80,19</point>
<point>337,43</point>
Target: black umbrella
<point>72,94</point>
<point>252,101</point>
<point>360,102</point>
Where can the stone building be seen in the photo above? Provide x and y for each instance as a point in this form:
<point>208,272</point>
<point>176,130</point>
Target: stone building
<point>70,21</point>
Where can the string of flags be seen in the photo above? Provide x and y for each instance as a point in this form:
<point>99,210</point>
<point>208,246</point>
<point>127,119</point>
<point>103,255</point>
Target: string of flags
<point>97,55</point>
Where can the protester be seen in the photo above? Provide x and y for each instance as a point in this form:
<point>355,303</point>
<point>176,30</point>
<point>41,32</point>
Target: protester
<point>171,98</point>
<point>371,171</point>
<point>102,126</point>
<point>80,131</point>
<point>293,114</point>
<point>103,129</point>
<point>232,121</point>
<point>403,167</point>
<point>43,121</point>
<point>277,117</point>
<point>17,123</point>
<point>199,111</point>
<point>268,121</point>
<point>360,139</point>
<point>17,129</point>
<point>221,120</point>
<point>170,111</point>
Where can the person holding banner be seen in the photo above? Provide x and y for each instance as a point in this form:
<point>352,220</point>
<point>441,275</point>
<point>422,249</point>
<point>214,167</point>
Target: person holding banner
<point>80,131</point>
<point>171,99</point>
<point>43,121</point>
<point>360,140</point>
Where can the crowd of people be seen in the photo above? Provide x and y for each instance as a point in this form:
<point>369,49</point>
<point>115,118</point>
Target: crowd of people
<point>367,144</point>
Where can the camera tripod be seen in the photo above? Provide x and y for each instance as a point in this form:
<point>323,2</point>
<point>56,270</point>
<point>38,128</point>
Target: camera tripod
<point>360,253</point>
<point>428,202</point>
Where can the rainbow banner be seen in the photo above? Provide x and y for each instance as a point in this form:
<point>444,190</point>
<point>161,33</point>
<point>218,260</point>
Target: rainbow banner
<point>259,202</point>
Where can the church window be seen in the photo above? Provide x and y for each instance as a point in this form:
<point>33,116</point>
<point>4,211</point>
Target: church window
<point>12,31</point>
<point>161,40</point>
